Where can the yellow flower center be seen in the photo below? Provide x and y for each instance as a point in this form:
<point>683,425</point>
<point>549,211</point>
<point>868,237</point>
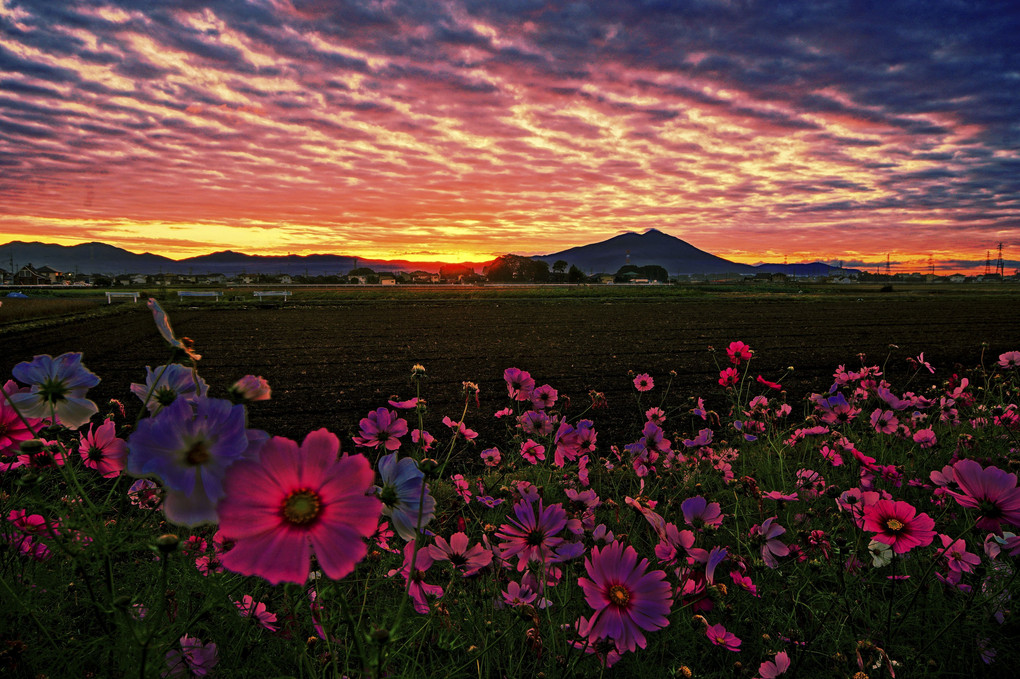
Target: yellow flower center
<point>619,595</point>
<point>301,506</point>
<point>894,525</point>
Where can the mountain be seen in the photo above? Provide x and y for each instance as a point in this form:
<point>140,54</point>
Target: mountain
<point>86,258</point>
<point>652,247</point>
<point>100,258</point>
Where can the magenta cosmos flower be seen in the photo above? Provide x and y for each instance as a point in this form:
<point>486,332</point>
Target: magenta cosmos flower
<point>532,537</point>
<point>898,525</point>
<point>627,599</point>
<point>12,427</point>
<point>718,635</point>
<point>468,560</point>
<point>1010,359</point>
<point>381,428</point>
<point>991,491</point>
<point>101,450</point>
<point>519,384</point>
<point>644,382</point>
<point>738,352</point>
<point>290,501</point>
<point>58,387</point>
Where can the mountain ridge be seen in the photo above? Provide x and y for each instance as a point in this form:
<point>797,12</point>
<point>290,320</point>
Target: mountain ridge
<point>653,247</point>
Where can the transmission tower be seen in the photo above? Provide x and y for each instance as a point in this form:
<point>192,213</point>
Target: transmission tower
<point>999,264</point>
<point>988,262</point>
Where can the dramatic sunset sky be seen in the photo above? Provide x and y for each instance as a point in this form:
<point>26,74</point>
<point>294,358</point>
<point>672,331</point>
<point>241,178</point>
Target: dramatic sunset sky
<point>463,129</point>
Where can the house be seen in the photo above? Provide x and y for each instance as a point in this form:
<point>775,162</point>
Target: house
<point>424,277</point>
<point>286,280</point>
<point>52,274</point>
<point>387,279</point>
<point>27,275</point>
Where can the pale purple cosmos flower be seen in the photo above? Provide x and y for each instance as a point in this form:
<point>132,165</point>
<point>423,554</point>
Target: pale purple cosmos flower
<point>772,546</point>
<point>700,513</point>
<point>57,389</point>
<point>405,496</point>
<point>188,446</point>
<point>166,383</point>
<point>195,659</point>
<point>183,344</point>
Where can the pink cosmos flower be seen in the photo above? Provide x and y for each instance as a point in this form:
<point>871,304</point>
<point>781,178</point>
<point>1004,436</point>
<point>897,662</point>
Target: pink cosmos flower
<point>772,669</point>
<point>744,582</point>
<point>884,421</point>
<point>989,490</point>
<point>770,385</point>
<point>957,557</point>
<point>249,608</point>
<point>516,595</point>
<point>627,599</point>
<point>738,352</point>
<point>644,382</point>
<point>544,397</point>
<point>718,635</point>
<point>195,659</point>
<point>423,438</point>
<point>490,456</point>
<point>291,501</point>
<point>925,437</point>
<point>532,452</point>
<point>656,415</point>
<point>381,428</point>
<point>468,560</point>
<point>1010,359</point>
<point>418,589</point>
<point>101,450</point>
<point>519,384</point>
<point>897,524</point>
<point>404,405</point>
<point>460,428</point>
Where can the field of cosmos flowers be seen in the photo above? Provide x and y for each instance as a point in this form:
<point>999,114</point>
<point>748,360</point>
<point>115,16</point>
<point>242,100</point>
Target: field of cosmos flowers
<point>866,530</point>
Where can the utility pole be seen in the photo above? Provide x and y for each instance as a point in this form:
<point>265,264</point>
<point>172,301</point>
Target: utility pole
<point>888,269</point>
<point>988,262</point>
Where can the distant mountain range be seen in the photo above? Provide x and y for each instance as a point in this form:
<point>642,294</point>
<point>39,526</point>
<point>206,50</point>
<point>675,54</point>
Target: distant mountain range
<point>640,249</point>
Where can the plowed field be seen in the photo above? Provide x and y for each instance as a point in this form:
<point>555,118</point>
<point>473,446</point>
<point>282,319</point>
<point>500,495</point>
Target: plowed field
<point>329,365</point>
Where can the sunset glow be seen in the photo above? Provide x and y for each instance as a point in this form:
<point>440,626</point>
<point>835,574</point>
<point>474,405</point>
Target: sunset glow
<point>462,130</point>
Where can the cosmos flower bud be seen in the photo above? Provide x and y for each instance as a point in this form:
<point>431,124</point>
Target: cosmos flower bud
<point>167,543</point>
<point>250,388</point>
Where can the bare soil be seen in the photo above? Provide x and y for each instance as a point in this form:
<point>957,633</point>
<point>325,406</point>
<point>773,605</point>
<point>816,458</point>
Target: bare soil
<point>329,365</point>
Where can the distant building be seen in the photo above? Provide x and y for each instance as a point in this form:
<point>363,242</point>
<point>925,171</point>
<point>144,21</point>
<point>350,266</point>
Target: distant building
<point>27,275</point>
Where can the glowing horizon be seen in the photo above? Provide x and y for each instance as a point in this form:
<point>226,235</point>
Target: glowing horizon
<point>464,131</point>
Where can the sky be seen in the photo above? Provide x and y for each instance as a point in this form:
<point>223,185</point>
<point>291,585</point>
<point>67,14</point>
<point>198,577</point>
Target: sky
<point>459,130</point>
